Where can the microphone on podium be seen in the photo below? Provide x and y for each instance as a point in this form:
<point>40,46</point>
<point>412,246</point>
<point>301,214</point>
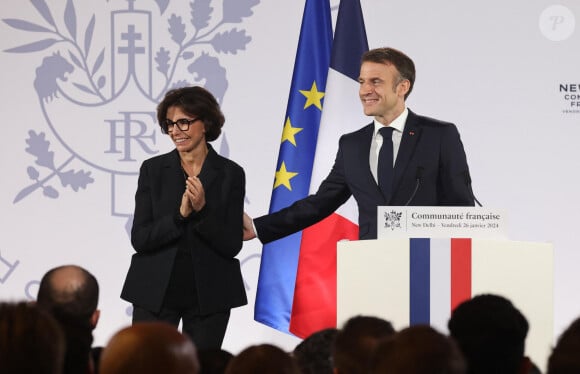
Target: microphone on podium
<point>468,182</point>
<point>418,177</point>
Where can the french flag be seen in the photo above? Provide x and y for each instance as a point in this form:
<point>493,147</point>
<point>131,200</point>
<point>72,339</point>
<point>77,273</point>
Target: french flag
<point>439,267</point>
<point>279,259</point>
<point>314,305</point>
<point>296,290</point>
<point>408,281</point>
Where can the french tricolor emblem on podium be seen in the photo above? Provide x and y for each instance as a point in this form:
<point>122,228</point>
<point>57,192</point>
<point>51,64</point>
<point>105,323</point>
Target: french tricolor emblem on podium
<point>412,281</point>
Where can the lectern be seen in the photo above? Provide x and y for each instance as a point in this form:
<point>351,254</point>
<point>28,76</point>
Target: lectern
<point>420,280</point>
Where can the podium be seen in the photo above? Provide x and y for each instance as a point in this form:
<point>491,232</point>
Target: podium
<point>410,281</point>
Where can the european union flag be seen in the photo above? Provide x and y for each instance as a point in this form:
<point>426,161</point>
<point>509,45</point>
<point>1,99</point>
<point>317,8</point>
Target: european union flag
<point>295,159</point>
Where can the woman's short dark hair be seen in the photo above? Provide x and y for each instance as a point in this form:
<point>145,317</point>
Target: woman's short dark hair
<point>405,66</point>
<point>196,102</point>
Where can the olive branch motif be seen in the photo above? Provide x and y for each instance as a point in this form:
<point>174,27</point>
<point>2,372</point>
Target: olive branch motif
<point>82,56</point>
<point>228,41</point>
<point>38,146</point>
<point>78,55</point>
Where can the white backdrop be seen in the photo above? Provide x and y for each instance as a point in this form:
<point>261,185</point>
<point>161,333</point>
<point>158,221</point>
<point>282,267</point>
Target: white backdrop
<point>497,69</point>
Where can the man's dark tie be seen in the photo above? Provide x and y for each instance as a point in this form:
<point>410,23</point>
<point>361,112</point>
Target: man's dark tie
<point>385,163</point>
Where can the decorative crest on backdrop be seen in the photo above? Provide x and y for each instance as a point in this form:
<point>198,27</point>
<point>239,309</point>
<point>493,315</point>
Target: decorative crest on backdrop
<point>100,77</point>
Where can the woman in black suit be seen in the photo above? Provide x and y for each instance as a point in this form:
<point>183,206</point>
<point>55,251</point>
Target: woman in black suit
<point>187,227</point>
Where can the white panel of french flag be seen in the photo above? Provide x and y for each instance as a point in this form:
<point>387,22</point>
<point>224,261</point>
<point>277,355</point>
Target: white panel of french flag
<point>420,281</point>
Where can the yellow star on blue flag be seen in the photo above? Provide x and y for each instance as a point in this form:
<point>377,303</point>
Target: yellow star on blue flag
<point>313,96</point>
<point>283,177</point>
<point>289,132</point>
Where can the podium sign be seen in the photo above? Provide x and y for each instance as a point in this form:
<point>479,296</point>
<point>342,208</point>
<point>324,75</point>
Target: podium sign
<point>440,222</point>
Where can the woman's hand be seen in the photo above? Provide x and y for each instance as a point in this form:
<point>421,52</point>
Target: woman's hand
<point>194,193</point>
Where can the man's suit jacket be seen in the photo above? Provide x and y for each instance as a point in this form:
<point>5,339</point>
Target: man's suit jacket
<point>430,154</point>
<point>215,240</point>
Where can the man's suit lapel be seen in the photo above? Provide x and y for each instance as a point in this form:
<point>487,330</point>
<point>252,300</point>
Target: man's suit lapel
<point>362,166</point>
<point>409,140</point>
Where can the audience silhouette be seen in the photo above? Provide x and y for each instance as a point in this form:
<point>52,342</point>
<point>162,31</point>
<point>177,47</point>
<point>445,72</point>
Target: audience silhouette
<point>213,360</point>
<point>487,334</point>
<point>149,348</point>
<point>71,294</point>
<point>491,333</point>
<point>417,349</point>
<point>565,357</point>
<point>314,354</point>
<point>31,341</point>
<point>356,341</point>
<point>263,358</point>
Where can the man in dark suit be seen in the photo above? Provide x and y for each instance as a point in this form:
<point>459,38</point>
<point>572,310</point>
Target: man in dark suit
<point>417,161</point>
